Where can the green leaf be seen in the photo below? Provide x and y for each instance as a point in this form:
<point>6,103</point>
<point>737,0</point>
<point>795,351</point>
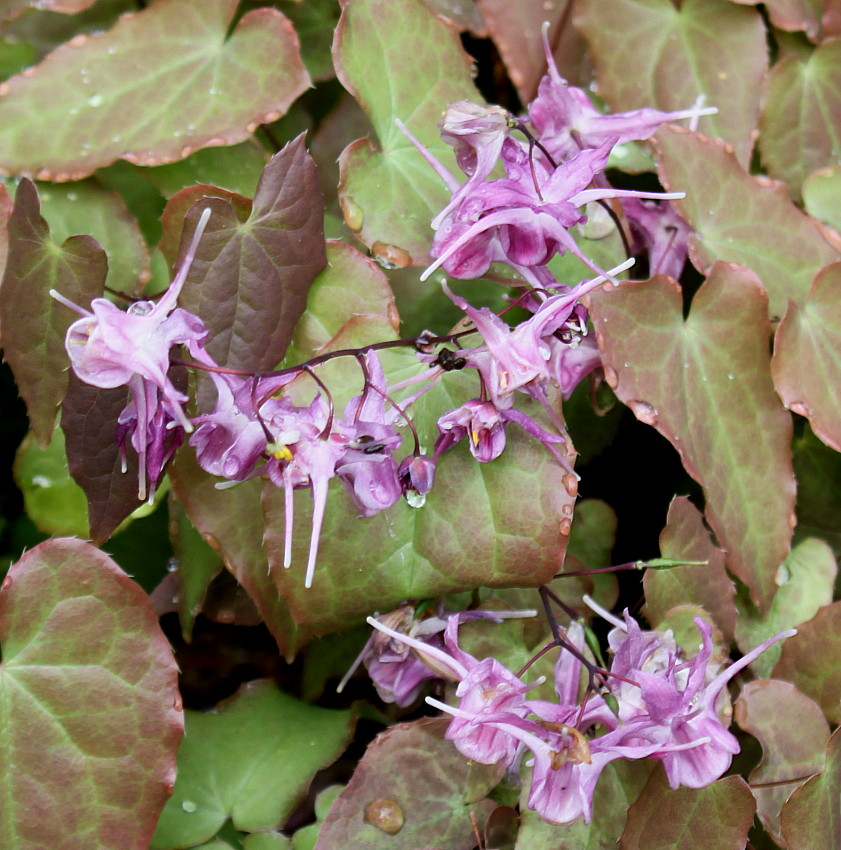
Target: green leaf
<point>85,207</point>
<point>793,733</point>
<point>708,586</point>
<point>389,194</point>
<point>810,819</point>
<point>410,774</point>
<point>800,130</point>
<point>618,787</point>
<point>34,324</point>
<point>805,583</point>
<point>818,472</point>
<point>194,567</point>
<point>678,52</point>
<point>821,191</point>
<point>252,760</point>
<point>266,841</point>
<point>711,405</point>
<point>793,15</point>
<point>718,816</point>
<point>88,678</point>
<point>350,285</point>
<point>740,218</point>
<point>13,8</point>
<point>53,500</point>
<point>493,524</point>
<point>314,21</point>
<point>159,85</point>
<point>807,357</point>
<point>811,660</point>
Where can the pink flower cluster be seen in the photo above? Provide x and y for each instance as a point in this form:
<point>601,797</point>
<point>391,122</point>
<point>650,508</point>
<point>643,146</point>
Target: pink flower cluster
<point>663,707</point>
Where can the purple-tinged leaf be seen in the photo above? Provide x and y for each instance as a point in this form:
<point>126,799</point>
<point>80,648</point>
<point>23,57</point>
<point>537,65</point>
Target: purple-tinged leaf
<point>793,733</point>
<point>810,819</point>
<point>811,660</point>
<point>460,14</point>
<point>412,789</point>
<point>807,357</point>
<point>251,761</point>
<point>718,816</point>
<point>6,206</point>
<point>250,278</point>
<point>801,116</point>
<point>159,85</point>
<point>13,8</point>
<point>34,324</point>
<point>741,219</point>
<point>231,522</point>
<point>89,421</point>
<point>821,191</point>
<point>709,586</point>
<point>793,15</point>
<point>678,52</point>
<point>516,31</point>
<point>399,61</point>
<point>805,583</point>
<point>705,384</point>
<point>89,704</point>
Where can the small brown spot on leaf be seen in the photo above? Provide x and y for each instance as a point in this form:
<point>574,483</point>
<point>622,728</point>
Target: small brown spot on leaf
<point>390,256</point>
<point>385,815</point>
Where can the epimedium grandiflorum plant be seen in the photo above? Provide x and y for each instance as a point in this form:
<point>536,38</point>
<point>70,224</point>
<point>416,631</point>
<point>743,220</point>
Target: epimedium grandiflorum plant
<point>337,335</point>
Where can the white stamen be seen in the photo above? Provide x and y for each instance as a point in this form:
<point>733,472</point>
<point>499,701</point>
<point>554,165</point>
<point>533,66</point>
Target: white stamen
<point>603,613</point>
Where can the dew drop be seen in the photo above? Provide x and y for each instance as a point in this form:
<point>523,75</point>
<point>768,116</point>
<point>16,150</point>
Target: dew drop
<point>212,91</point>
<point>172,565</point>
<point>626,364</point>
<point>42,480</point>
<point>385,815</point>
<point>177,133</point>
<point>175,599</point>
<point>783,576</point>
<point>116,137</point>
<point>111,51</point>
<point>72,196</point>
<point>74,110</point>
<point>189,806</point>
<point>644,412</point>
<point>96,100</point>
<point>730,376</point>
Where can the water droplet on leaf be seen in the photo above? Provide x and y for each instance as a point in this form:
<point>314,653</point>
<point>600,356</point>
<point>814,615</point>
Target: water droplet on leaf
<point>385,815</point>
<point>96,100</point>
<point>189,806</point>
<point>783,576</point>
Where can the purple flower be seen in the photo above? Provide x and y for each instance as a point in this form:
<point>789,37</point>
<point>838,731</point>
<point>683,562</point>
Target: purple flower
<point>110,348</point>
<point>674,702</point>
<point>416,474</point>
<point>660,232</point>
<point>481,421</point>
<point>566,120</point>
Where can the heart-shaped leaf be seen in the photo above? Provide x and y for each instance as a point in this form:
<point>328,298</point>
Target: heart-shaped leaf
<point>793,733</point>
<point>250,761</point>
<point>710,405</point>
<point>678,52</point>
<point>810,819</point>
<point>399,61</point>
<point>157,86</point>
<point>250,278</point>
<point>719,816</point>
<point>708,585</point>
<point>820,195</point>
<point>740,218</point>
<point>800,130</point>
<point>409,791</point>
<point>34,324</point>
<point>812,660</point>
<point>806,580</point>
<point>807,357</point>
<point>89,704</point>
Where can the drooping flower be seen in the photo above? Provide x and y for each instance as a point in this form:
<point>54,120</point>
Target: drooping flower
<point>111,348</point>
<point>675,700</point>
<point>661,233</point>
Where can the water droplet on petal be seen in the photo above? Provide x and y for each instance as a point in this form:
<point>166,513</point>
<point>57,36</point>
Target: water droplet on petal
<point>385,815</point>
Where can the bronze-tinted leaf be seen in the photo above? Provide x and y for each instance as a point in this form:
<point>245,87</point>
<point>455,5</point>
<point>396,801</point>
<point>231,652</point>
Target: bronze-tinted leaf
<point>33,323</point>
<point>705,384</point>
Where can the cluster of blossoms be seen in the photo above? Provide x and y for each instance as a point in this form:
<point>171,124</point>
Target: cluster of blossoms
<point>522,219</point>
<point>662,706</point>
